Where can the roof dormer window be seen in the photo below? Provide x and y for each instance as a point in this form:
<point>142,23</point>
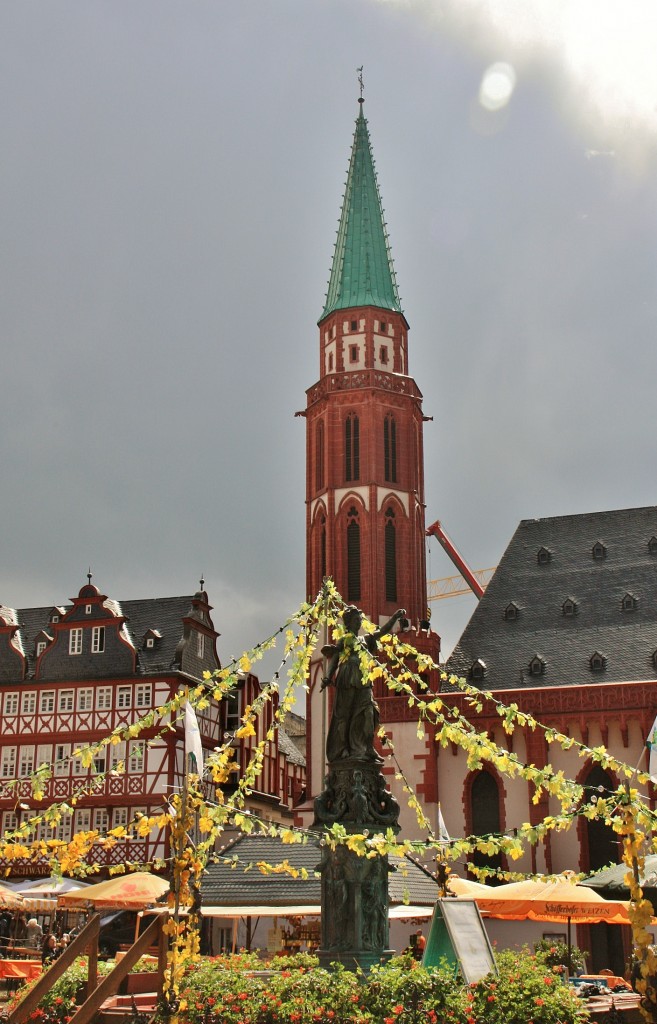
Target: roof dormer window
<point>652,546</point>
<point>150,641</point>
<point>537,666</point>
<point>478,670</point>
<point>54,618</point>
<point>543,556</point>
<point>598,662</point>
<point>87,609</point>
<point>569,608</point>
<point>511,612</point>
<point>654,659</point>
<point>629,603</point>
<point>598,551</point>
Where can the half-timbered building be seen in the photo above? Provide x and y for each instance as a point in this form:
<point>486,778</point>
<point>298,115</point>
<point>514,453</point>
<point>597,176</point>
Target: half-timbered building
<point>70,674</point>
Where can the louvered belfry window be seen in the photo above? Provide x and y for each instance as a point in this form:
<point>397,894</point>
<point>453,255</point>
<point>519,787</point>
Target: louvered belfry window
<point>353,556</point>
<point>390,449</point>
<point>319,455</point>
<point>351,448</point>
<point>391,556</point>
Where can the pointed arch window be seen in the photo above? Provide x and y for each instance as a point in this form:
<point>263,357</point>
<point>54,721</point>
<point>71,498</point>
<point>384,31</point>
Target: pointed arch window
<point>353,555</point>
<point>485,809</point>
<point>652,546</point>
<point>391,556</point>
<point>322,547</point>
<point>598,551</point>
<point>602,841</point>
<point>569,608</point>
<point>390,449</point>
<point>351,448</point>
<point>597,662</point>
<point>629,603</point>
<point>319,455</point>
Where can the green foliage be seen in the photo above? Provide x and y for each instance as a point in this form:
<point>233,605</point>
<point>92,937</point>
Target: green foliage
<point>527,991</point>
<point>556,954</point>
<point>405,992</point>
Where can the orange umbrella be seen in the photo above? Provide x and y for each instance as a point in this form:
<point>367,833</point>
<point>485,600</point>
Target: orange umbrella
<point>10,900</point>
<point>466,887</point>
<point>125,892</point>
<point>556,900</point>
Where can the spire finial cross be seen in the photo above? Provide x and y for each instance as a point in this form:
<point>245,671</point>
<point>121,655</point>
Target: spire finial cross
<point>361,83</point>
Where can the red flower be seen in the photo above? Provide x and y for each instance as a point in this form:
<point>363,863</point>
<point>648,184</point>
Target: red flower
<point>59,1000</point>
<point>398,1009</point>
<point>211,1000</point>
<point>539,1001</point>
<point>491,999</point>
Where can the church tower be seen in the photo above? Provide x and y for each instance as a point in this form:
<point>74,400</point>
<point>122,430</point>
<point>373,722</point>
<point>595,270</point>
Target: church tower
<point>365,484</point>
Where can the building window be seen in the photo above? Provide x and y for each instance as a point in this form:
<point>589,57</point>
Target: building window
<point>353,556</point>
<point>99,764</point>
<point>44,754</point>
<point>485,808</point>
<point>62,757</point>
<point>117,754</point>
<point>63,830</point>
<point>120,817</point>
<point>536,666</point>
<point>104,698</point>
<point>9,821</point>
<point>232,721</point>
<point>383,327</point>
<point>83,819</point>
<point>569,608</point>
<point>598,551</point>
<point>383,355</point>
<point>101,819</point>
<point>54,618</point>
<point>75,641</point>
<point>200,645</point>
<point>478,670</point>
<point>390,449</point>
<point>354,325</point>
<point>25,762</point>
<point>598,662</point>
<point>47,702</point>
<point>144,693</point>
<point>353,353</point>
<point>543,556</point>
<point>322,547</point>
<point>97,639</point>
<point>85,700</point>
<point>8,763</point>
<point>87,609</point>
<point>135,757</point>
<point>150,641</point>
<point>319,455</point>
<point>351,448</point>
<point>65,701</point>
<point>652,546</point>
<point>124,696</point>
<point>510,613</point>
<point>391,556</point>
<point>603,845</point>
<point>629,603</point>
<point>11,704</point>
<point>28,703</point>
<point>330,362</point>
<point>40,647</point>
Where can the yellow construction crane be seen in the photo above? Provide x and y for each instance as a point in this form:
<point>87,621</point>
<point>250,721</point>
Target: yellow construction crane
<point>454,586</point>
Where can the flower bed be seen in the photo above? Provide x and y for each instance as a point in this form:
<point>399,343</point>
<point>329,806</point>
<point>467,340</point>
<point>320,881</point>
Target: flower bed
<point>233,990</point>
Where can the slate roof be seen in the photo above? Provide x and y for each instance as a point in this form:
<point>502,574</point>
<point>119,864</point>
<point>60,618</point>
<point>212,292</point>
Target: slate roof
<point>362,273</point>
<point>538,587</point>
<point>164,614</point>
<point>228,886</point>
<point>287,747</point>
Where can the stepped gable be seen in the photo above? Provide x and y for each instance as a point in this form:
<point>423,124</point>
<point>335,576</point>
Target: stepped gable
<point>572,602</point>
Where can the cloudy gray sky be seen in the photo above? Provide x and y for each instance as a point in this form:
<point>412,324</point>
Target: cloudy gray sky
<point>170,184</point>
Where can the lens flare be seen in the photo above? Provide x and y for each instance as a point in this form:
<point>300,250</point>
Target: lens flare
<point>497,86</point>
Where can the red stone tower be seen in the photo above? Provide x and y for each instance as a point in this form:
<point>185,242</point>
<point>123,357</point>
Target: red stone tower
<point>365,480</point>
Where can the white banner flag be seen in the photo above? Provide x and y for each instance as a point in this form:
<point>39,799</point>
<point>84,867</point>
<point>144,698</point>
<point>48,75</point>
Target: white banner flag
<point>651,744</point>
<point>193,745</point>
<point>443,834</point>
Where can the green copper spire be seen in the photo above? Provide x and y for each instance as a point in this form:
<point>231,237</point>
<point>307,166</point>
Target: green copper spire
<point>362,273</point>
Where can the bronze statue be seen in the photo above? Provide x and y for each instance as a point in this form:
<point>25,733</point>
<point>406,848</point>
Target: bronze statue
<point>355,716</point>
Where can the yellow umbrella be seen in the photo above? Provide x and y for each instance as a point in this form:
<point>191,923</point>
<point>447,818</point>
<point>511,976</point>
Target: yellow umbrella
<point>125,892</point>
<point>467,888</point>
<point>10,900</point>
